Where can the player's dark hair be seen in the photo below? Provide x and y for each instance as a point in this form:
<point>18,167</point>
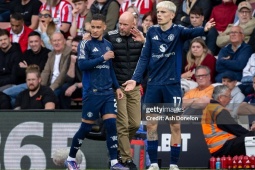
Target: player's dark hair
<point>99,17</point>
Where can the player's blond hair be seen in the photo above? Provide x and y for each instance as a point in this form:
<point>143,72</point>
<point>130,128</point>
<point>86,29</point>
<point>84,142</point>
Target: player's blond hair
<point>167,4</point>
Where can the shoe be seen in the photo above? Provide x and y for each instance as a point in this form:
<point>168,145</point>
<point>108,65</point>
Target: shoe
<point>130,164</point>
<point>118,166</point>
<point>119,158</point>
<point>71,165</point>
<point>174,167</point>
<point>153,167</point>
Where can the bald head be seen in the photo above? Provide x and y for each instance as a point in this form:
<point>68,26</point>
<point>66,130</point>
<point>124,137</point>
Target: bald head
<point>128,16</point>
<point>126,23</point>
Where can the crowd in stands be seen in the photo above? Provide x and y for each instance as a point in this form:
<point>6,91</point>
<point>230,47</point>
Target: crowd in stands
<point>47,32</point>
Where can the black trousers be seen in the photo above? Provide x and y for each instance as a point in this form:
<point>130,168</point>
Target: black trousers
<point>233,147</point>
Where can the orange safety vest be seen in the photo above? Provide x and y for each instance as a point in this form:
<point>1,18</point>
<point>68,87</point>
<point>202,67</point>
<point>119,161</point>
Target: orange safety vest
<point>215,138</point>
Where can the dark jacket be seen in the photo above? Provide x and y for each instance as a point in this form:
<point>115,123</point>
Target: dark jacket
<point>8,65</point>
<point>31,58</point>
<point>127,53</point>
<point>182,11</point>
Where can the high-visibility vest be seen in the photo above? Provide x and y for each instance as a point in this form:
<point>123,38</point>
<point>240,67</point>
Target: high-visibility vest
<point>215,138</point>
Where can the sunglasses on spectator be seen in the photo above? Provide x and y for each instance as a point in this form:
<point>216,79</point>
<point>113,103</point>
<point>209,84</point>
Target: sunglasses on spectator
<point>44,15</point>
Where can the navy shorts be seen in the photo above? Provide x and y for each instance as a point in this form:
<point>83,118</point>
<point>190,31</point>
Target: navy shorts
<point>158,94</point>
<point>94,106</point>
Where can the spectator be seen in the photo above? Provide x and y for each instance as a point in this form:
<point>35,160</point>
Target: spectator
<point>79,13</point>
<point>5,10</point>
<point>182,16</point>
<point>143,6</point>
<point>9,59</point>
<point>224,14</point>
<point>36,55</point>
<point>248,73</point>
<point>197,20</point>
<point>56,67</point>
<point>18,31</point>
<point>61,12</point>
<point>109,8</point>
<point>198,54</point>
<point>46,28</point>
<point>148,20</point>
<point>246,22</point>
<point>136,14</point>
<point>127,52</point>
<point>223,135</point>
<point>247,107</point>
<point>234,56</point>
<point>29,9</point>
<point>5,101</point>
<point>73,85</point>
<point>36,96</point>
<point>203,92</point>
<point>237,96</point>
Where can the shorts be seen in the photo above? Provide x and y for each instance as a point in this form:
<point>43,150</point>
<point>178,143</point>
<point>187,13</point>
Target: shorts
<point>169,95</point>
<point>94,106</point>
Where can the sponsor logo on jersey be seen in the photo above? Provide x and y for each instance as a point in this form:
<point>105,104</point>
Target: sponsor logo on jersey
<point>102,66</point>
<point>95,50</point>
<point>155,37</point>
<point>162,48</point>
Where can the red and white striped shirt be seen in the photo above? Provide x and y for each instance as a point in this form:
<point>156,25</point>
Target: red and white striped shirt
<point>143,6</point>
<point>61,13</point>
<point>79,20</point>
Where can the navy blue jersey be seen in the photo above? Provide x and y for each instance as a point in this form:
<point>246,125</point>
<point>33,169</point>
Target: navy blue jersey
<point>98,74</point>
<point>162,54</point>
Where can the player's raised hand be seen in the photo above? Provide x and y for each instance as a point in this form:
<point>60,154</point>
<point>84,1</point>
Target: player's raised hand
<point>211,23</point>
<point>108,55</point>
<point>130,85</point>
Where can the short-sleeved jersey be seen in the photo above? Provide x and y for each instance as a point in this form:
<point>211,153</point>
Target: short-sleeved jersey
<point>98,74</point>
<point>61,13</point>
<point>162,54</point>
<point>38,101</point>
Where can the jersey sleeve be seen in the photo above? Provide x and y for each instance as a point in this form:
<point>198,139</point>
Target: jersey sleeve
<point>144,59</point>
<point>66,15</point>
<point>84,62</point>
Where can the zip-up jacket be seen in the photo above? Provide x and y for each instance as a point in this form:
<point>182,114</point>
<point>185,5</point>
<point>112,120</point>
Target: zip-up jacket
<point>127,53</point>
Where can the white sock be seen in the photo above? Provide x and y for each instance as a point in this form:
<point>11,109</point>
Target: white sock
<point>154,164</point>
<point>172,165</point>
<point>70,159</point>
<point>114,161</point>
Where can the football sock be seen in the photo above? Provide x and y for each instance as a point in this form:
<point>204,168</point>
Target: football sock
<point>78,138</point>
